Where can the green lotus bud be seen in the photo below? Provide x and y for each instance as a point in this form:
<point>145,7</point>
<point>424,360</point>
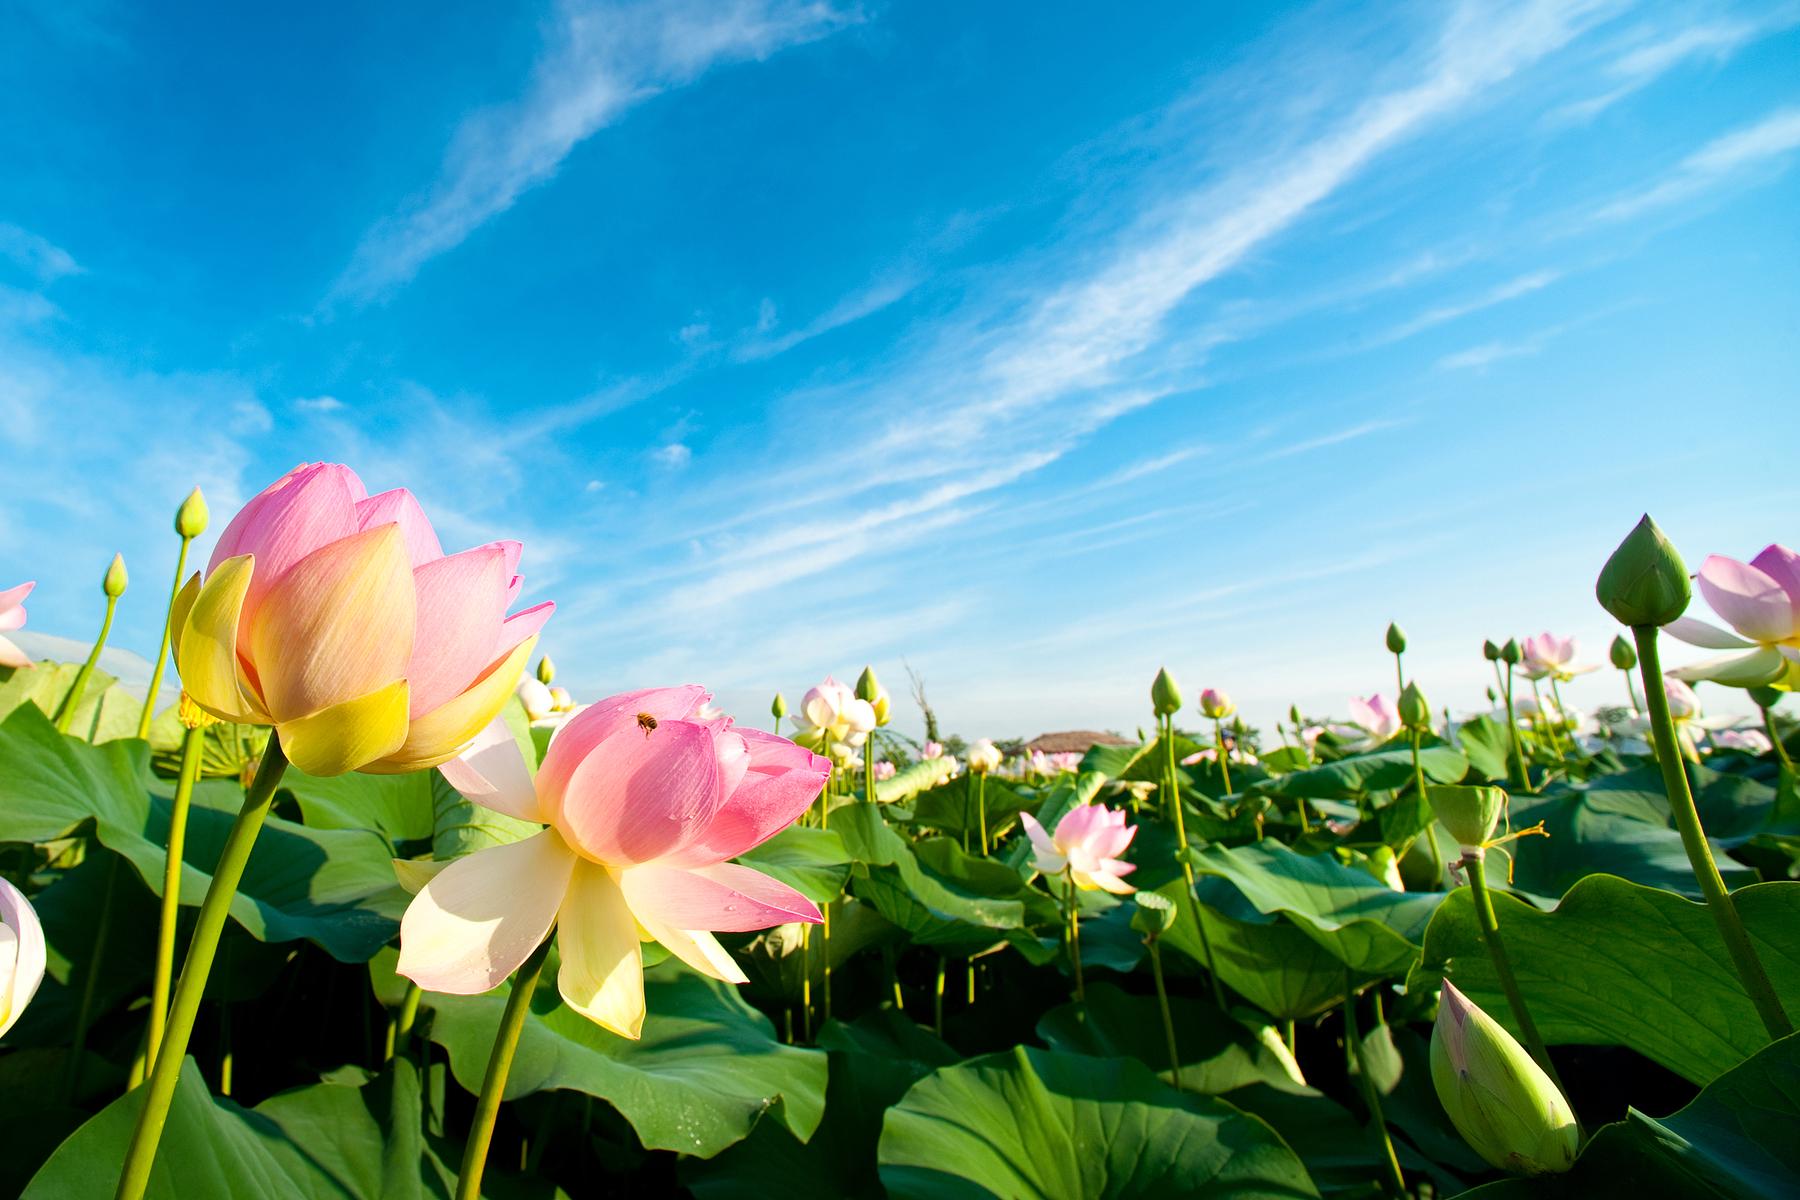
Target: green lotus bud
<point>1396,641</point>
<point>191,517</point>
<point>1622,654</point>
<point>778,706</point>
<point>1493,696</point>
<point>1510,654</point>
<point>1501,1102</point>
<point>114,582</point>
<point>1415,710</point>
<point>546,671</point>
<point>1165,695</point>
<point>867,686</point>
<point>1154,915</point>
<point>1490,651</point>
<point>1294,716</point>
<point>1471,814</point>
<point>1644,582</point>
<point>1766,697</point>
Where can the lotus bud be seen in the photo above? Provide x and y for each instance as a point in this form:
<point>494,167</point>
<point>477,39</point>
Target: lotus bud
<point>1294,717</point>
<point>546,671</point>
<point>1165,694</point>
<point>22,954</point>
<point>1766,697</point>
<point>1384,864</point>
<point>1493,696</point>
<point>1471,814</point>
<point>1216,704</point>
<point>1644,582</point>
<point>114,582</point>
<point>984,756</point>
<point>1490,651</point>
<point>778,706</point>
<point>1501,1101</point>
<point>191,517</point>
<point>561,700</point>
<point>867,686</point>
<point>1154,915</point>
<point>1396,640</point>
<point>1415,710</point>
<point>1510,654</point>
<point>1622,654</point>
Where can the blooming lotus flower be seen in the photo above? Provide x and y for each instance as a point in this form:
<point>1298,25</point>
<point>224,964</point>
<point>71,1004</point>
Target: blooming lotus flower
<point>984,756</point>
<point>645,804</point>
<point>1547,656</point>
<point>1533,715</point>
<point>1087,843</point>
<point>21,953</point>
<point>1375,716</point>
<point>537,699</point>
<point>832,710</point>
<point>885,770</point>
<point>1759,599</point>
<point>335,617</point>
<point>1750,741</point>
<point>12,616</point>
<point>933,750</point>
<point>1065,760</point>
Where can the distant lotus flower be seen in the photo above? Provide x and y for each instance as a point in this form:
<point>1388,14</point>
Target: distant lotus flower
<point>538,701</point>
<point>1547,656</point>
<point>22,954</point>
<point>1750,741</point>
<point>1532,714</point>
<point>1684,704</point>
<point>1216,704</point>
<point>884,770</point>
<point>1761,601</point>
<point>1038,762</point>
<point>933,750</point>
<point>984,756</point>
<point>1065,760</point>
<point>831,709</point>
<point>645,804</point>
<point>12,616</point>
<point>1088,841</point>
<point>335,617</point>
<point>1375,716</point>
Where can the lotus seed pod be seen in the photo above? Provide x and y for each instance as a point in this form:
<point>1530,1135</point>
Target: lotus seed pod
<point>778,706</point>
<point>1471,814</point>
<point>1415,710</point>
<point>1165,695</point>
<point>1501,1102</point>
<point>191,517</point>
<point>114,582</point>
<point>1644,582</point>
<point>1396,640</point>
<point>1490,651</point>
<point>1622,654</point>
<point>546,671</point>
<point>1154,914</point>
<point>1216,704</point>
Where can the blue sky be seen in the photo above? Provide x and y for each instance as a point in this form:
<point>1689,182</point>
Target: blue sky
<point>1032,348</point>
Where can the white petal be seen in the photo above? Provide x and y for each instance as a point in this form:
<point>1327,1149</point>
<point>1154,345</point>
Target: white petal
<point>602,975</point>
<point>1708,637</point>
<point>483,915</point>
<point>492,773</point>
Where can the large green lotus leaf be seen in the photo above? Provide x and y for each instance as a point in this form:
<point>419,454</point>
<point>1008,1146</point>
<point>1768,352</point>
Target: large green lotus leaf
<point>1616,825</point>
<point>873,1062</point>
<point>1735,1141</point>
<point>1029,1123</point>
<point>1267,960</point>
<point>333,887</point>
<point>1145,762</point>
<point>952,807</point>
<point>811,861</point>
<point>706,1070</point>
<point>1366,924</point>
<point>1377,771</point>
<point>105,712</point>
<point>1484,742</point>
<point>399,807</point>
<point>1617,963</point>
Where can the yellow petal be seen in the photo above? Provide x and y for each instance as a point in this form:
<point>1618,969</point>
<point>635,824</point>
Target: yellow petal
<point>206,655</point>
<point>477,920</point>
<point>446,731</point>
<point>602,975</point>
<point>698,949</point>
<point>179,608</point>
<point>348,735</point>
<point>337,626</point>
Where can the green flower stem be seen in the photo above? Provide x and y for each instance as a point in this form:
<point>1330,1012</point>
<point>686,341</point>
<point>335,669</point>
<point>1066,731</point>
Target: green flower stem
<point>164,969</point>
<point>831,777</point>
<point>84,1014</point>
<point>981,809</point>
<point>1490,937</point>
<point>493,1084</point>
<point>65,716</point>
<point>1399,678</point>
<point>1162,1002</point>
<point>162,652</point>
<point>208,928</point>
<point>937,1000</point>
<point>1218,742</point>
<point>1545,729</point>
<point>1781,754</point>
<point>1631,693</point>
<point>1562,715</point>
<point>1074,932</point>
<point>1371,1094</point>
<point>806,982</point>
<point>1693,839</point>
<point>1287,1031</point>
<point>1181,854</point>
<point>402,1022</point>
<point>1515,766</point>
<point>1437,853</point>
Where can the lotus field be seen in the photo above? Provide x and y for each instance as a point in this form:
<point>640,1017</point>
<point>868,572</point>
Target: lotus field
<point>376,908</point>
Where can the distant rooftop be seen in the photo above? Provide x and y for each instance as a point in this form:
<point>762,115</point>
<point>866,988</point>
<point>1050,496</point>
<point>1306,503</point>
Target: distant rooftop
<point>1074,741</point>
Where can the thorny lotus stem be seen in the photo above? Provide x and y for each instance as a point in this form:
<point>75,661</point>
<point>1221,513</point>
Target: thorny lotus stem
<point>1219,744</point>
<point>1475,864</point>
<point>162,652</point>
<point>493,1084</point>
<point>1437,859</point>
<point>1693,839</point>
<point>65,716</point>
<point>1181,855</point>
<point>1162,1002</point>
<point>1074,932</point>
<point>165,1073</point>
<point>164,969</point>
<point>84,1014</point>
<point>401,1023</point>
<point>1515,766</point>
<point>1371,1094</point>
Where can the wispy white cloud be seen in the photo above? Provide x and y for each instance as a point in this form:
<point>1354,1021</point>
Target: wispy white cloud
<point>766,343</point>
<point>1766,143</point>
<point>1651,52</point>
<point>319,404</point>
<point>1512,289</point>
<point>41,258</point>
<point>600,60</point>
<point>1334,438</point>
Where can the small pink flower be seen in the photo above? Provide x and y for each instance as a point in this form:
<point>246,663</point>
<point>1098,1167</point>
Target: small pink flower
<point>933,750</point>
<point>1216,704</point>
<point>885,770</point>
<point>1088,841</point>
<point>1750,741</point>
<point>1547,656</point>
<point>645,803</point>
<point>1375,716</point>
<point>1065,760</point>
<point>12,616</point>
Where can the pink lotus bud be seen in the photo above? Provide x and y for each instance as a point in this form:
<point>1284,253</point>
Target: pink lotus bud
<point>1375,716</point>
<point>984,756</point>
<point>1087,844</point>
<point>335,617</point>
<point>933,750</point>
<point>12,616</point>
<point>1216,704</point>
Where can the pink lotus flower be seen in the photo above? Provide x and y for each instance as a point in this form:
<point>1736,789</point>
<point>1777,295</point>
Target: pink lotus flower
<point>1375,716</point>
<point>1216,704</point>
<point>832,710</point>
<point>984,756</point>
<point>12,616</point>
<point>885,770</point>
<point>336,617</point>
<point>1750,741</point>
<point>1547,656</point>
<point>1761,601</point>
<point>645,804</point>
<point>1065,760</point>
<point>22,955</point>
<point>933,750</point>
<point>1088,841</point>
